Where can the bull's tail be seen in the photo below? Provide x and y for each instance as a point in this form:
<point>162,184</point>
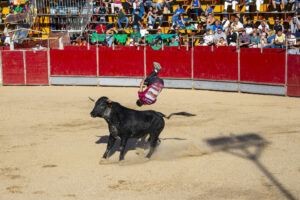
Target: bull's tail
<point>178,113</point>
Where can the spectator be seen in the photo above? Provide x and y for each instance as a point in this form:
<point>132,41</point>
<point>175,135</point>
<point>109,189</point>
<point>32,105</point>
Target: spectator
<point>7,35</point>
<point>255,41</point>
<point>127,6</point>
<point>270,40</point>
<point>116,3</point>
<point>276,4</point>
<point>150,17</point>
<point>208,9</point>
<point>158,15</point>
<point>291,39</point>
<point>173,42</point>
<point>158,4</point>
<point>101,29</point>
<point>221,42</point>
<point>121,18</point>
<point>295,26</point>
<point>169,4</point>
<point>135,35</point>
<point>182,21</point>
<point>26,8</point>
<point>264,27</point>
<point>249,26</point>
<point>277,26</point>
<point>217,26</point>
<point>241,19</point>
<point>295,49</point>
<point>210,21</point>
<point>244,39</point>
<point>137,20</point>
<point>148,4</point>
<point>175,17</point>
<point>178,36</point>
<point>279,40</point>
<point>230,2</point>
<point>144,32</point>
<point>225,23</point>
<point>231,37</point>
<point>219,34</point>
<point>141,11</point>
<point>106,4</point>
<point>208,38</point>
<point>237,26</point>
<point>195,8</point>
<point>110,35</point>
<point>11,9</point>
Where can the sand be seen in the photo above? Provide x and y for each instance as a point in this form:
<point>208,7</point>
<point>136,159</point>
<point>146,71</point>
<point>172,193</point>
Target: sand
<point>50,147</point>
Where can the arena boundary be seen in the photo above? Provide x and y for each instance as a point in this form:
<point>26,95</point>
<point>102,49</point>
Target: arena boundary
<point>272,71</point>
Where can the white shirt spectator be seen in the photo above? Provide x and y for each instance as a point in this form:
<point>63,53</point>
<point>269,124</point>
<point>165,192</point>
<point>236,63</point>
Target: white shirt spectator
<point>264,29</point>
<point>144,32</point>
<point>237,26</point>
<point>208,39</point>
<point>225,25</point>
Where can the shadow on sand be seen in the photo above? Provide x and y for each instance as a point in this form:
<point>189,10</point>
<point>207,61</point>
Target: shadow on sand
<point>240,145</point>
<point>132,143</point>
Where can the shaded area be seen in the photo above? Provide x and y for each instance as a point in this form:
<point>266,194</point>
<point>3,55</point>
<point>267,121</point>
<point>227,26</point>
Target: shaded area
<point>240,145</point>
<point>132,143</point>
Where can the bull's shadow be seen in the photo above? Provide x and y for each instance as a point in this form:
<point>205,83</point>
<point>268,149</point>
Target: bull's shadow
<point>132,143</point>
<point>240,145</point>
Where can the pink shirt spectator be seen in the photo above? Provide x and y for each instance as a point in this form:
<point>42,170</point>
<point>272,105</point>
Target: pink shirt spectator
<point>150,94</point>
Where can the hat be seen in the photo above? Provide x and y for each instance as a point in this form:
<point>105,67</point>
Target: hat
<point>226,16</point>
<point>135,26</point>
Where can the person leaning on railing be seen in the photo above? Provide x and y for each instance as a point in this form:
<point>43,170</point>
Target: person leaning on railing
<point>279,40</point>
<point>255,40</point>
<point>219,34</point>
<point>244,40</point>
<point>231,37</point>
<point>295,25</point>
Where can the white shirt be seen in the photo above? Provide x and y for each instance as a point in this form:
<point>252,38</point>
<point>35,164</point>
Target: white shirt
<point>208,38</point>
<point>260,27</point>
<point>144,32</point>
<point>226,25</point>
<point>236,27</point>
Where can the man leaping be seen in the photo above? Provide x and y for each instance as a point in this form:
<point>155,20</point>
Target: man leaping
<point>154,87</point>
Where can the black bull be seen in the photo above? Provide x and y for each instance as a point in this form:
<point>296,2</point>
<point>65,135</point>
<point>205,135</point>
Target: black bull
<point>127,123</point>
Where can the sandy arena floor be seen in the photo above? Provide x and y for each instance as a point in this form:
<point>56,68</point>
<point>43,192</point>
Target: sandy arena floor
<point>50,147</point>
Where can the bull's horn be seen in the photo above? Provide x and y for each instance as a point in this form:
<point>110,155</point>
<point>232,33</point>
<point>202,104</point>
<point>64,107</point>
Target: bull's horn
<point>91,99</point>
<point>108,101</point>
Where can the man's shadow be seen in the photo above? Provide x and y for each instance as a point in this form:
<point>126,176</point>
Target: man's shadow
<point>248,146</point>
<point>132,143</point>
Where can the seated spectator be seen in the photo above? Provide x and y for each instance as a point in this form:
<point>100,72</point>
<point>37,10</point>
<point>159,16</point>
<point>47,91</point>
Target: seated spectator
<point>231,37</point>
<point>295,26</point>
<point>225,23</point>
<point>291,39</point>
<point>195,7</point>
<point>182,22</point>
<point>101,29</point>
<point>279,40</point>
<point>208,38</point>
<point>264,27</point>
<point>249,26</point>
<point>178,36</point>
<point>127,4</point>
<point>117,4</point>
<point>219,34</point>
<point>150,17</point>
<point>173,42</point>
<point>26,8</point>
<point>135,36</point>
<point>157,41</point>
<point>11,9</point>
<point>144,32</point>
<point>217,26</point>
<point>255,41</point>
<point>244,40</point>
<point>208,9</point>
<point>221,42</point>
<point>106,4</point>
<point>175,17</point>
<point>237,26</point>
<point>295,49</point>
<point>169,4</point>
<point>136,19</point>
<point>110,34</point>
<point>158,4</point>
<point>277,26</point>
<point>18,9</point>
<point>230,2</point>
<point>276,4</point>
<point>210,21</point>
<point>158,16</point>
<point>148,4</point>
<point>121,18</point>
<point>241,19</point>
<point>141,11</point>
<point>270,40</point>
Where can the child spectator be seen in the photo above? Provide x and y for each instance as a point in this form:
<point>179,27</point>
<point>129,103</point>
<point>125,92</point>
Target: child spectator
<point>221,42</point>
<point>279,40</point>
<point>254,40</point>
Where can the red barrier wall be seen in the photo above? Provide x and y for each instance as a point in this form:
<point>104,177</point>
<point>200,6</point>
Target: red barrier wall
<point>123,61</point>
<point>36,68</point>
<point>175,63</point>
<point>73,61</point>
<point>266,67</point>
<point>13,68</point>
<point>219,64</point>
<point>293,76</point>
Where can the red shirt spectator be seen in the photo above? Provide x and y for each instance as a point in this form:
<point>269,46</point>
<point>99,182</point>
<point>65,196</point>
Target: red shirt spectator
<point>101,29</point>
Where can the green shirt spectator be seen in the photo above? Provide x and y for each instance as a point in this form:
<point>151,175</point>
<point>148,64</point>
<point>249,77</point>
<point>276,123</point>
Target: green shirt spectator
<point>136,34</point>
<point>18,9</point>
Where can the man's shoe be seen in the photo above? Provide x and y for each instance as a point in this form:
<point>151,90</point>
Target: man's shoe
<point>157,66</point>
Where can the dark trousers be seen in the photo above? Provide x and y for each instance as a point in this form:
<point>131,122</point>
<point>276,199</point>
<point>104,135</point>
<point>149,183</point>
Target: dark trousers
<point>152,78</point>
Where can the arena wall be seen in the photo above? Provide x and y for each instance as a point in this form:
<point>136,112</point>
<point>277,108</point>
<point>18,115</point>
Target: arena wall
<point>270,71</point>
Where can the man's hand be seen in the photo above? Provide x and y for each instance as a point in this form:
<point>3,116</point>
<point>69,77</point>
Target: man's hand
<point>141,85</point>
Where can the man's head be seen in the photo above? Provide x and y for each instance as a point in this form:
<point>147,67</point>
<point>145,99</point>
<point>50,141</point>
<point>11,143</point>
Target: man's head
<point>236,20</point>
<point>243,33</point>
<point>277,21</point>
<point>135,28</point>
<point>219,30</point>
<point>225,17</point>
<point>139,103</point>
<point>102,107</point>
<point>178,6</point>
<point>217,22</point>
<point>279,33</point>
<point>248,21</point>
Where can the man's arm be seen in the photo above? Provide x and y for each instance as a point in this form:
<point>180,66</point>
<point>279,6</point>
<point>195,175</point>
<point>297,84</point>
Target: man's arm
<point>142,85</point>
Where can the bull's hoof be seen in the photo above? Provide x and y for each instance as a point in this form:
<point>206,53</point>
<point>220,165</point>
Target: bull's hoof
<point>122,162</point>
<point>103,161</point>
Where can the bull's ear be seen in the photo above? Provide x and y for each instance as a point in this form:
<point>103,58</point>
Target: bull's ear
<point>109,103</point>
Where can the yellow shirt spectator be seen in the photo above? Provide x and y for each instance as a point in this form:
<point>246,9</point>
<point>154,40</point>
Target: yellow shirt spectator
<point>281,38</point>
